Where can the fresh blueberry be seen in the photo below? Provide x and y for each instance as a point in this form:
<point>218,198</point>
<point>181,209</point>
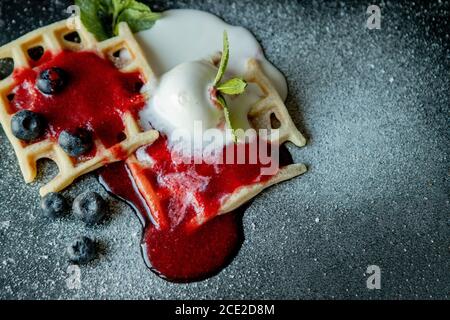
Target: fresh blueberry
<point>51,81</point>
<point>75,143</point>
<point>27,125</point>
<point>54,205</point>
<point>89,207</point>
<point>82,251</point>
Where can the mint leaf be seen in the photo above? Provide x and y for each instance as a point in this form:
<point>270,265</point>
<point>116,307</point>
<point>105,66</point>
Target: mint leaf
<point>223,103</point>
<point>117,7</point>
<point>120,5</point>
<point>102,17</point>
<point>105,7</point>
<point>224,60</point>
<point>233,86</point>
<point>89,15</point>
<point>138,16</point>
<point>139,6</point>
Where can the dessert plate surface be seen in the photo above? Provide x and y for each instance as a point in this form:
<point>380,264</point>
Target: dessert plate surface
<point>374,106</point>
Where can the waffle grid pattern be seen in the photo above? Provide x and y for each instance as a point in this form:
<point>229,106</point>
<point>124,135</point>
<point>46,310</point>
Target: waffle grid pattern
<point>54,38</point>
<point>260,115</point>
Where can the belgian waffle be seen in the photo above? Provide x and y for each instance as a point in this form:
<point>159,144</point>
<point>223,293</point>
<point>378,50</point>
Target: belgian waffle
<point>54,37</point>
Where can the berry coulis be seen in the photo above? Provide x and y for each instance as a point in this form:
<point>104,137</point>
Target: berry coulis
<point>95,97</point>
<point>184,237</point>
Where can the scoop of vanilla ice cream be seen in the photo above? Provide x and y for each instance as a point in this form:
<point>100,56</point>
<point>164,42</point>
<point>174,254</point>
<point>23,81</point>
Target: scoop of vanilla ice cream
<point>181,99</point>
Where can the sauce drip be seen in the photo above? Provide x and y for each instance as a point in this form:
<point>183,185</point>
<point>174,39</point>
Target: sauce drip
<point>96,96</point>
<point>176,256</point>
<point>184,238</point>
<point>175,246</point>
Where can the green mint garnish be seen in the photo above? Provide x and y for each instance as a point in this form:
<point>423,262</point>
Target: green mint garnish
<point>102,17</point>
<point>231,87</point>
<point>138,16</point>
<point>92,14</point>
<point>224,60</point>
<point>221,100</point>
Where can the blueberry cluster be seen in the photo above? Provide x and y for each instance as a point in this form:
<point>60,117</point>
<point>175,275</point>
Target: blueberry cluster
<point>88,207</point>
<point>28,125</point>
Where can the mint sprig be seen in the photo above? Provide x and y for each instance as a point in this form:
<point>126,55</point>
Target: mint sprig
<point>233,86</point>
<point>226,111</point>
<point>102,17</point>
<point>224,60</point>
<point>93,14</point>
<point>138,16</point>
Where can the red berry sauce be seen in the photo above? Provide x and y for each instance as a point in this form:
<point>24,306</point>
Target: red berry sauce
<point>184,238</point>
<point>96,95</point>
<point>175,246</point>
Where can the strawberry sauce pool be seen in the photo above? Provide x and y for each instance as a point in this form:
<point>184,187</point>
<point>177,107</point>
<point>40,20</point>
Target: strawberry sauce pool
<point>96,95</point>
<point>176,255</point>
<point>169,196</point>
<point>185,238</point>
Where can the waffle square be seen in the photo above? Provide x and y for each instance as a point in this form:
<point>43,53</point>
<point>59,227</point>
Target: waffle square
<point>260,116</point>
<point>56,37</point>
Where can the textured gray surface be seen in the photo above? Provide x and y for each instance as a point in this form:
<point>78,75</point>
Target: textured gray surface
<point>375,105</point>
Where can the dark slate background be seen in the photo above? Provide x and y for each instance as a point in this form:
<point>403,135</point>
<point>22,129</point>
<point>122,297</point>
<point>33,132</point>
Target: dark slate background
<point>375,106</point>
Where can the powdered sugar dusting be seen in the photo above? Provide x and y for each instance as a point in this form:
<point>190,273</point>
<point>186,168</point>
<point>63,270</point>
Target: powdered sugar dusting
<point>378,167</point>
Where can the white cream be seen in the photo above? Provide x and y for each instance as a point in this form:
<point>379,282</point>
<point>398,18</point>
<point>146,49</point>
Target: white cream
<point>189,35</point>
<point>180,48</point>
<point>181,97</point>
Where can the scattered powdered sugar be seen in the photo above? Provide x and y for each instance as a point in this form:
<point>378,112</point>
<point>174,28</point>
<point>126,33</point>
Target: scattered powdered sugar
<point>4,225</point>
<point>376,150</point>
<point>187,185</point>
